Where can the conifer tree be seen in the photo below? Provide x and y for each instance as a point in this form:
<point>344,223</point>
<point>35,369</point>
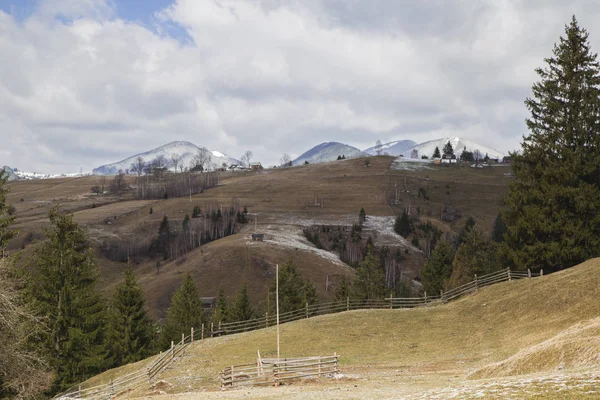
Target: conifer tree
<point>184,313</point>
<point>362,216</point>
<point>499,229</point>
<point>438,268</point>
<point>436,153</point>
<point>469,224</point>
<point>6,220</point>
<point>294,290</point>
<point>242,310</point>
<point>552,205</point>
<point>369,282</point>
<point>130,332</point>
<point>342,292</point>
<point>61,285</point>
<point>222,308</point>
<point>402,225</point>
<point>448,150</point>
<point>476,255</point>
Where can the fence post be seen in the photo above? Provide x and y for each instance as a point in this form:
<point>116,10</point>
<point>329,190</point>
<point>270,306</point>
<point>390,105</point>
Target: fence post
<point>441,295</point>
<point>391,304</point>
<point>528,273</point>
<point>219,328</point>
<point>476,283</point>
<point>172,350</point>
<point>112,389</point>
<point>183,338</point>
<point>202,332</point>
<point>508,272</point>
<point>347,303</point>
<point>306,309</point>
<point>192,335</point>
<point>542,272</point>
<point>212,325</point>
<point>425,296</point>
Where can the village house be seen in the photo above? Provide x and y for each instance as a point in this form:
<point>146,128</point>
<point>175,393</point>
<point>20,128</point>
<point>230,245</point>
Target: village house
<point>449,159</point>
<point>256,166</point>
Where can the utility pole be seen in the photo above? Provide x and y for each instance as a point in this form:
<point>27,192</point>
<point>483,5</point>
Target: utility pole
<point>277,304</point>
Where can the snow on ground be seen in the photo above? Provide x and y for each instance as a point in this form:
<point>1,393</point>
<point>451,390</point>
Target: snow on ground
<point>34,175</point>
<point>587,383</point>
<point>382,231</point>
<point>293,238</point>
<point>410,164</point>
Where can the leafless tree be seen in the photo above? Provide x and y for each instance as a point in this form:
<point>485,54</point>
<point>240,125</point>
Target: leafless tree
<point>118,185</point>
<point>285,160</point>
<point>378,147</point>
<point>202,160</point>
<point>181,167</point>
<point>160,161</point>
<point>175,161</point>
<point>477,157</point>
<point>246,158</point>
<point>138,166</point>
<point>21,371</point>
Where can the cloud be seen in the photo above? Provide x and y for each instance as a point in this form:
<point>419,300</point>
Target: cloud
<point>80,87</point>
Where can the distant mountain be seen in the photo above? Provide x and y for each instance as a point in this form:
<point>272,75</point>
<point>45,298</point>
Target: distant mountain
<point>392,148</point>
<point>458,144</point>
<point>328,151</point>
<point>11,175</point>
<point>185,150</point>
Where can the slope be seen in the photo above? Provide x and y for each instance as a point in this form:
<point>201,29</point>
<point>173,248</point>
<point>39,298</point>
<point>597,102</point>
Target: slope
<point>424,348</point>
<point>328,151</point>
<point>392,148</point>
<point>184,150</point>
<point>458,144</point>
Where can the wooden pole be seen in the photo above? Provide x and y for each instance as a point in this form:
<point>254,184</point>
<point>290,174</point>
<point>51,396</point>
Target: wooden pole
<point>192,335</point>
<point>391,296</point>
<point>528,273</point>
<point>277,304</point>
<point>347,303</point>
<point>306,309</point>
<point>508,272</point>
<point>172,350</point>
<point>267,319</point>
<point>202,332</point>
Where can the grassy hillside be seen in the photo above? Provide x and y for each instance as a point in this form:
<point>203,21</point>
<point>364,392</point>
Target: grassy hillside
<point>282,201</point>
<point>543,325</point>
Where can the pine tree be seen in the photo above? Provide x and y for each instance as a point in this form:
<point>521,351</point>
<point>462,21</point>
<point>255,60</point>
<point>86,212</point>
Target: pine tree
<point>164,235</point>
<point>185,225</point>
<point>369,282</point>
<point>242,310</point>
<point>402,225</point>
<point>552,206</point>
<point>362,216</point>
<point>61,285</point>
<point>436,153</point>
<point>130,331</point>
<point>476,255</point>
<point>448,150</point>
<point>222,309</point>
<point>469,224</point>
<point>184,313</point>
<point>438,268</point>
<point>499,229</point>
<point>196,212</point>
<point>6,219</point>
<point>342,292</point>
<point>294,290</point>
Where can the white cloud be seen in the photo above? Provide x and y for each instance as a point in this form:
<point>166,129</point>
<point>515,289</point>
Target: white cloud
<point>81,87</point>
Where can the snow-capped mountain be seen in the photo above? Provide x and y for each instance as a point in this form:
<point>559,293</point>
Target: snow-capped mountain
<point>11,175</point>
<point>328,151</point>
<point>186,151</point>
<point>392,148</point>
<point>458,144</point>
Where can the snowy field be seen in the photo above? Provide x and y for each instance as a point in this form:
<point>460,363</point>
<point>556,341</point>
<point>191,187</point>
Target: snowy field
<point>410,164</point>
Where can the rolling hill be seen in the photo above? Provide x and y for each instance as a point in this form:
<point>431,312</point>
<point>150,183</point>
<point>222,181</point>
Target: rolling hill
<point>184,150</point>
<point>529,338</point>
<point>392,148</point>
<point>458,144</point>
<point>328,151</point>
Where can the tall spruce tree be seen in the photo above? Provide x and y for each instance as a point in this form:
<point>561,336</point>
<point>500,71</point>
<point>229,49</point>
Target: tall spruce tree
<point>448,150</point>
<point>184,313</point>
<point>402,225</point>
<point>436,153</point>
<point>6,220</point>
<point>130,333</point>
<point>61,284</point>
<point>242,309</point>
<point>222,310</point>
<point>369,282</point>
<point>438,268</point>
<point>294,290</point>
<point>552,206</point>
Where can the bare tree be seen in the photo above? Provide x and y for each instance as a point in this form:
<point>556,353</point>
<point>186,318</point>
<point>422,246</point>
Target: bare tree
<point>477,157</point>
<point>285,160</point>
<point>118,184</point>
<point>246,157</point>
<point>138,166</point>
<point>378,147</point>
<point>202,160</point>
<point>160,161</point>
<point>175,161</point>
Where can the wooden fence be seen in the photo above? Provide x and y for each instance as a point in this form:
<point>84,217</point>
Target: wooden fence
<point>127,382</point>
<point>276,371</point>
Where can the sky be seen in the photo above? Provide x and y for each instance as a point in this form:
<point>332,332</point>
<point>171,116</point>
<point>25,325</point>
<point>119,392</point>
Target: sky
<point>88,82</point>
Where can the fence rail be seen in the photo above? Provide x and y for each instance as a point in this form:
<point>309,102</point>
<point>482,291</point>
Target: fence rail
<point>146,375</point>
<point>275,371</point>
